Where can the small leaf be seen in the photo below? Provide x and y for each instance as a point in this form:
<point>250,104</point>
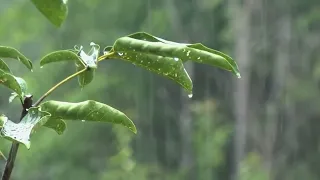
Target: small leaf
<point>91,61</point>
<point>146,43</point>
<point>87,111</point>
<point>4,67</point>
<point>56,124</point>
<point>21,132</point>
<point>55,11</point>
<point>58,56</point>
<point>16,84</point>
<point>9,52</point>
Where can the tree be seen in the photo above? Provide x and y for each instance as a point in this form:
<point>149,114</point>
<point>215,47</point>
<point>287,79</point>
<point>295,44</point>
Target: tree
<point>157,55</point>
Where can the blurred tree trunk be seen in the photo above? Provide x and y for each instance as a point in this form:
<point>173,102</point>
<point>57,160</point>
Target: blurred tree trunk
<point>185,121</point>
<point>241,25</point>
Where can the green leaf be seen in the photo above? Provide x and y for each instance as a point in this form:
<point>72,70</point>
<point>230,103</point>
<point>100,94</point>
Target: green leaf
<point>90,60</point>
<point>16,84</point>
<point>56,124</point>
<point>145,43</point>
<point>20,132</point>
<point>55,11</point>
<point>59,56</point>
<point>87,111</point>
<point>171,68</point>
<point>4,67</point>
<point>9,52</point>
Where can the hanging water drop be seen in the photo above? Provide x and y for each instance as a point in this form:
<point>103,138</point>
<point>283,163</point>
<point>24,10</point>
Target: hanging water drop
<point>238,75</point>
<point>176,59</point>
<point>190,95</point>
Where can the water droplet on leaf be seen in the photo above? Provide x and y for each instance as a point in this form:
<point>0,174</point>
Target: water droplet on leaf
<point>83,120</point>
<point>41,66</point>
<point>120,53</point>
<point>176,59</point>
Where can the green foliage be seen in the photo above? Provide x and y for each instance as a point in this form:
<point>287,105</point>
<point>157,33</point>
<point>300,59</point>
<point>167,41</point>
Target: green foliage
<point>55,11</point>
<point>17,84</point>
<point>21,132</point>
<point>87,111</point>
<point>166,57</point>
<point>12,53</point>
<point>149,52</point>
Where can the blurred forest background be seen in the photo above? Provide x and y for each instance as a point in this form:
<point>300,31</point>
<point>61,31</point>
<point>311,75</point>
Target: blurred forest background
<point>264,126</point>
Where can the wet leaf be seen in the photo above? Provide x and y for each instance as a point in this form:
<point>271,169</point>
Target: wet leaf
<point>87,111</point>
<point>16,84</point>
<point>9,52</point>
<point>55,11</point>
<point>146,43</point>
<point>4,67</point>
<point>171,68</point>
<point>59,56</point>
<point>56,124</point>
<point>91,61</point>
<point>20,132</point>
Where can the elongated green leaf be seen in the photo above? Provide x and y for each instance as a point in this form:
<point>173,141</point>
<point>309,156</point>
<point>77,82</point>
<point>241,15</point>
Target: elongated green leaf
<point>59,56</point>
<point>16,84</point>
<point>9,52</point>
<point>21,131</point>
<point>171,68</point>
<point>4,67</point>
<point>55,11</point>
<point>146,43</point>
<point>87,111</point>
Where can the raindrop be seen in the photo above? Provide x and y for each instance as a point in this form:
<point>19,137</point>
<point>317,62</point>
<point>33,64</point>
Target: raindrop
<point>41,66</point>
<point>83,120</point>
<point>176,59</point>
<point>190,95</point>
<point>120,53</point>
<point>238,75</point>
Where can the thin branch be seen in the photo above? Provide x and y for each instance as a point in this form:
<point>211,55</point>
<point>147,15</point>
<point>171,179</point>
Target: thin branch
<point>57,85</point>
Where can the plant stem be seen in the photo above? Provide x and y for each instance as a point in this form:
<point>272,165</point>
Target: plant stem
<point>27,103</point>
<point>57,85</point>
<point>105,56</point>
